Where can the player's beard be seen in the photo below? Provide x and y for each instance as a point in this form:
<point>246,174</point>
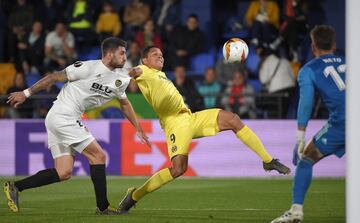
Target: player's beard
<point>115,64</point>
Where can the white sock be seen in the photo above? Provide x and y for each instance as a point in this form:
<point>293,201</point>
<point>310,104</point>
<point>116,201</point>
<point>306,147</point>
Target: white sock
<point>296,208</point>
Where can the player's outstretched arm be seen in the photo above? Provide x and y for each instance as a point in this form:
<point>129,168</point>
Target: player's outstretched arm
<point>306,101</point>
<point>17,98</point>
<point>129,112</point>
<point>135,72</point>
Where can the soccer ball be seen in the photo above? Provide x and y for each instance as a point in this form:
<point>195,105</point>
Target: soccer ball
<point>235,50</point>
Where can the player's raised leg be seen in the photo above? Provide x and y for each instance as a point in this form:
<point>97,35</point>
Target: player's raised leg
<point>162,177</point>
<point>230,121</point>
<point>97,157</point>
<point>62,171</point>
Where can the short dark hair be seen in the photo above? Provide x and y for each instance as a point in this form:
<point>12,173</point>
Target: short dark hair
<point>323,36</point>
<point>146,51</point>
<point>193,15</point>
<point>111,44</point>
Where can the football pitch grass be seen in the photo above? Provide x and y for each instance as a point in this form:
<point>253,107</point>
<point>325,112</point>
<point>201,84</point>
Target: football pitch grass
<point>184,200</point>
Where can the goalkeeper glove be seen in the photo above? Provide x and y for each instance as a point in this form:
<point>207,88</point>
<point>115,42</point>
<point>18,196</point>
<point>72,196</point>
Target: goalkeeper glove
<point>299,147</point>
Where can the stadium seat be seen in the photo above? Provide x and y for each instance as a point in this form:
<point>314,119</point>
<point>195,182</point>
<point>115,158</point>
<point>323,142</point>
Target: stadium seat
<point>32,78</point>
<point>255,83</point>
<point>7,75</point>
<point>89,53</point>
<point>253,60</point>
<point>200,62</point>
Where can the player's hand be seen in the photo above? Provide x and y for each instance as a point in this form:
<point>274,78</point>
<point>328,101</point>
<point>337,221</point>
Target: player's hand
<point>17,98</point>
<point>298,151</point>
<point>299,147</point>
<point>143,138</point>
<point>134,72</point>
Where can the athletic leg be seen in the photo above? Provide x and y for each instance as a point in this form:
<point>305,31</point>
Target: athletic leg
<point>61,172</point>
<point>179,167</point>
<point>179,135</point>
<point>230,121</point>
<point>301,183</point>
<point>159,179</point>
<point>97,157</point>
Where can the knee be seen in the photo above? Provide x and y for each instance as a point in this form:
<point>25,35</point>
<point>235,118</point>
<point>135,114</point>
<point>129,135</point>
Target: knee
<point>178,170</point>
<point>99,157</point>
<point>312,154</point>
<point>235,123</point>
<point>64,174</point>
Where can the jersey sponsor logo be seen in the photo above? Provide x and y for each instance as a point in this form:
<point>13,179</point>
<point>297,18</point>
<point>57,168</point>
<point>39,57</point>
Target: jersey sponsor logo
<point>118,83</point>
<point>78,64</point>
<point>101,89</point>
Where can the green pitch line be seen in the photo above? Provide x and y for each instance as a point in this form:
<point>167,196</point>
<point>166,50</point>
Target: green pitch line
<point>184,200</point>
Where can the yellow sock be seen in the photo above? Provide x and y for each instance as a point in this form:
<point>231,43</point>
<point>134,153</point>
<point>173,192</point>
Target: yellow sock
<point>249,138</point>
<point>157,180</point>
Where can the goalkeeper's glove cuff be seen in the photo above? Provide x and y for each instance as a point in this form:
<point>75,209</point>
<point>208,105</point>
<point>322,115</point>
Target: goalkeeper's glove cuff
<point>300,136</point>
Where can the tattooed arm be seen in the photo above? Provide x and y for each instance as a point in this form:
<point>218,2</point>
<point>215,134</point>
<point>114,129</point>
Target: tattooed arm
<point>17,98</point>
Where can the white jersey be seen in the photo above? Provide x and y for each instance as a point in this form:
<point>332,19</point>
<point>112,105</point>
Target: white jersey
<point>90,84</point>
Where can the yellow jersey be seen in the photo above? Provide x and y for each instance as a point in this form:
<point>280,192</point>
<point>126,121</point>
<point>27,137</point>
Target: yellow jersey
<point>161,93</point>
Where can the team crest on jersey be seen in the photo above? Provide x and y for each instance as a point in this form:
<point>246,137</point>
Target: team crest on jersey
<point>118,83</point>
<point>173,148</point>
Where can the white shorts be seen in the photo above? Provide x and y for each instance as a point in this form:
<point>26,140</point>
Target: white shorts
<point>66,134</point>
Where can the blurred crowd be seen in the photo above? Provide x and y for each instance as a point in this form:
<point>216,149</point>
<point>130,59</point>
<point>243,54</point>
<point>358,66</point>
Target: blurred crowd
<point>40,36</point>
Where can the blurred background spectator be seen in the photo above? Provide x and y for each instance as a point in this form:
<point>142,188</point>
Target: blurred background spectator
<point>262,17</point>
<point>135,15</point>
<point>293,28</point>
<point>79,16</point>
<point>167,16</point>
<point>20,20</point>
<point>108,23</point>
<point>148,36</point>
<point>277,77</point>
<point>49,12</point>
<point>31,50</point>
<point>239,97</point>
<point>187,89</point>
<point>226,70</point>
<point>59,48</point>
<point>26,109</point>
<point>186,41</point>
<point>133,55</point>
<point>210,89</point>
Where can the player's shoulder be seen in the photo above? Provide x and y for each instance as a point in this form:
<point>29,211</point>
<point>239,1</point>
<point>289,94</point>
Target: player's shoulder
<point>122,72</point>
<point>307,68</point>
<point>88,63</point>
<point>82,66</point>
<point>306,72</point>
<point>144,68</point>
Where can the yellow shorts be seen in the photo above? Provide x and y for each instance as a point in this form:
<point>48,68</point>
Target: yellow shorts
<point>184,127</point>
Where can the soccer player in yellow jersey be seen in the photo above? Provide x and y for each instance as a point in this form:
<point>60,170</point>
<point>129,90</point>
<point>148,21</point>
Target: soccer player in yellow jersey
<point>181,126</point>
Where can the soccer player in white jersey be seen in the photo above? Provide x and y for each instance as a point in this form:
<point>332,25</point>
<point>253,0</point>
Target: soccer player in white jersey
<point>88,84</point>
